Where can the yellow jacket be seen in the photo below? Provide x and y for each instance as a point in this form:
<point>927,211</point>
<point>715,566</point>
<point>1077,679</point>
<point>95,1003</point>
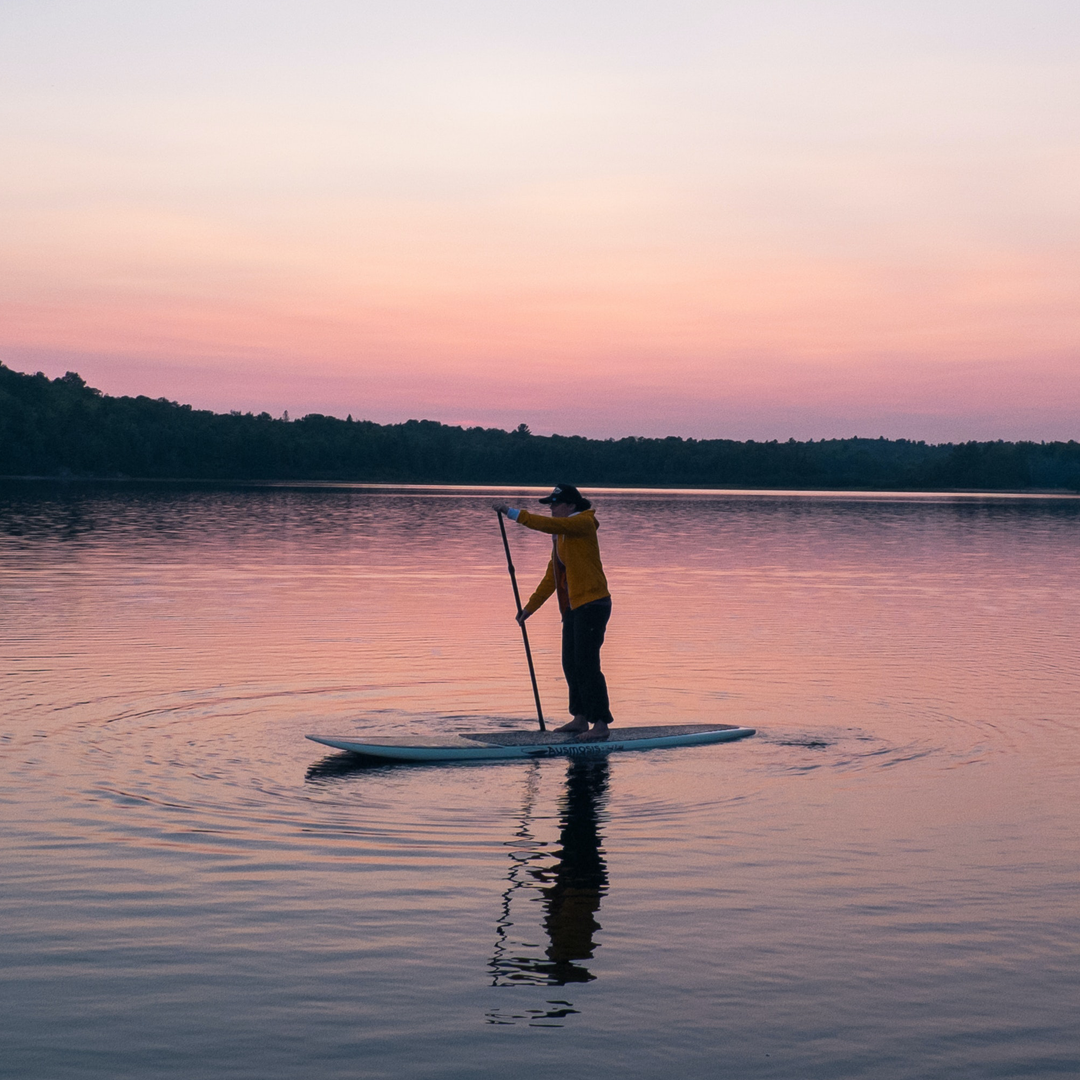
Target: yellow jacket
<point>574,570</point>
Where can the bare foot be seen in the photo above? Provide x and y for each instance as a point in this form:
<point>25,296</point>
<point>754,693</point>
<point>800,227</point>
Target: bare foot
<point>579,723</point>
<point>598,734</point>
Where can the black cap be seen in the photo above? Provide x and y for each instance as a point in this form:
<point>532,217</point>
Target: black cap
<point>568,494</point>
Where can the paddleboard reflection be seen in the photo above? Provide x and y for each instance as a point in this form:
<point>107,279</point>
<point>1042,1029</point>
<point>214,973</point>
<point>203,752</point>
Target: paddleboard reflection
<point>568,889</point>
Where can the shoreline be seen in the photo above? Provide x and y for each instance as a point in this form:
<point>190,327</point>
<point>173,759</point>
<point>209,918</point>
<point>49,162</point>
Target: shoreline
<point>599,489</point>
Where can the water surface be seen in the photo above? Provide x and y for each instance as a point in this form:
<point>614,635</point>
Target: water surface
<point>883,882</point>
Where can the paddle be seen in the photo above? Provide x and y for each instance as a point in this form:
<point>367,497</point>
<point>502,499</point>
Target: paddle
<point>524,632</point>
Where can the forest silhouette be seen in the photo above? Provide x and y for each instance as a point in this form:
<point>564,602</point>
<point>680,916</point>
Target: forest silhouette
<point>64,428</point>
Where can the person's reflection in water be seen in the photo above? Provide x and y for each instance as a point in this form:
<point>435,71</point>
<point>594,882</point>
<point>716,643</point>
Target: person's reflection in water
<point>571,890</point>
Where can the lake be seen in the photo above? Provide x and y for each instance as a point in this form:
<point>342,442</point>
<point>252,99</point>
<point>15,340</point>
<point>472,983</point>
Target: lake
<point>883,882</point>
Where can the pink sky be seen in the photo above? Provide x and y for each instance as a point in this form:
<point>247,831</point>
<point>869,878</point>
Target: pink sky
<point>763,221</point>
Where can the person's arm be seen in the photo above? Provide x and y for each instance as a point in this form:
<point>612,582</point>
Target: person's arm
<point>543,591</point>
<point>575,525</point>
<point>509,511</point>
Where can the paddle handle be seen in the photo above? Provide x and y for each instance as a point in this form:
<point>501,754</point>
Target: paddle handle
<point>524,632</point>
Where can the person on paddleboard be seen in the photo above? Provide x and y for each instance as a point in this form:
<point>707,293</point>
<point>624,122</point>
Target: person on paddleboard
<point>576,576</point>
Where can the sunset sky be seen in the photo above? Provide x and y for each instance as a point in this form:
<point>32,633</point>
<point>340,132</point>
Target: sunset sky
<point>729,219</point>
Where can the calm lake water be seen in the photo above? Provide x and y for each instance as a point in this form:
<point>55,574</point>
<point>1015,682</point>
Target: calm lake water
<point>883,882</point>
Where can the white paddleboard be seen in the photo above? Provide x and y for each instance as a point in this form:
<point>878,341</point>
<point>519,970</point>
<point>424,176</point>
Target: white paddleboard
<point>501,745</point>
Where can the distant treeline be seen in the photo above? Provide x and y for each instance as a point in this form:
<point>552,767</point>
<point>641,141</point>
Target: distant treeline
<point>62,427</point>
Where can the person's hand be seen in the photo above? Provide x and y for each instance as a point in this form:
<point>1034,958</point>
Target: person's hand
<point>521,616</point>
<point>500,508</point>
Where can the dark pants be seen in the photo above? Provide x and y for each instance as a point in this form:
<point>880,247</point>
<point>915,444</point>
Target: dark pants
<point>582,635</point>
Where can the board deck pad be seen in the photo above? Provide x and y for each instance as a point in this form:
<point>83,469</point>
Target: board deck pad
<point>503,745</point>
<point>626,734</point>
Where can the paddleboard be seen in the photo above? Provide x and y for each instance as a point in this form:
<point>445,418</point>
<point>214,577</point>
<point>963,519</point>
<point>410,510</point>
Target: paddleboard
<point>503,745</point>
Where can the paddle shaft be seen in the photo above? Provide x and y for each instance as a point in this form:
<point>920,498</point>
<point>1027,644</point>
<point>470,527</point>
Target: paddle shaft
<point>524,632</point>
